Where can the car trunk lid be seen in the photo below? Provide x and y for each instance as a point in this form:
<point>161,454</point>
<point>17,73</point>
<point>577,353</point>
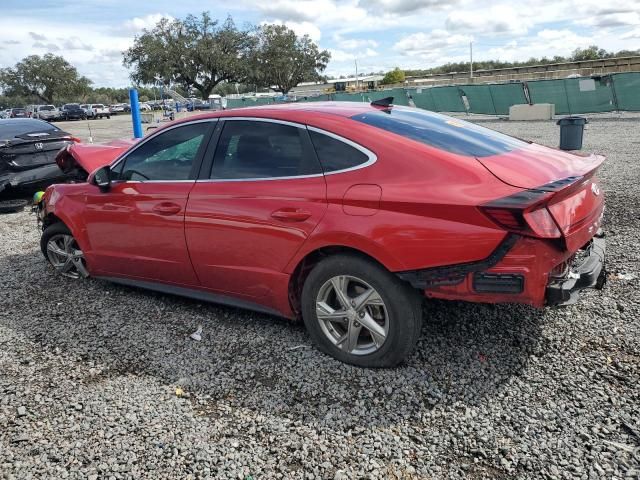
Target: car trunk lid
<point>578,210</point>
<point>536,165</point>
<point>33,150</point>
<point>565,183</point>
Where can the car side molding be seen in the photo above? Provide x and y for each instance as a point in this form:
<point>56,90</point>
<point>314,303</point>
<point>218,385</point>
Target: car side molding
<point>192,293</point>
<point>454,274</point>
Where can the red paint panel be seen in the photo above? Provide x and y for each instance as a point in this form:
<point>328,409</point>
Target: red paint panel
<point>537,165</point>
<point>362,200</point>
<point>237,241</point>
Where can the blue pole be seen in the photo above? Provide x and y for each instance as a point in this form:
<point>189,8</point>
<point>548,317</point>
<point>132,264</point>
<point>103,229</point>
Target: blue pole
<point>135,113</point>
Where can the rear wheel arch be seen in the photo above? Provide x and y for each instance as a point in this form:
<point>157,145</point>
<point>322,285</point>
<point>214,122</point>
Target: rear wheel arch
<point>309,261</point>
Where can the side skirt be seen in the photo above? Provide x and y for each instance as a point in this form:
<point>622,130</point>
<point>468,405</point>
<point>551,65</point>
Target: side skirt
<point>193,293</point>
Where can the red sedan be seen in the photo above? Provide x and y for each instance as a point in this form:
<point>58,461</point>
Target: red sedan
<point>344,214</point>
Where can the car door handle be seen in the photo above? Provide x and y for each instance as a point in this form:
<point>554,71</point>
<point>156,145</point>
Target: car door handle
<point>167,208</point>
<point>291,215</point>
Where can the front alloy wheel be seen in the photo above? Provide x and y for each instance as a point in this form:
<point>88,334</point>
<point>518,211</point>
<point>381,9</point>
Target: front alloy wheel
<point>63,252</point>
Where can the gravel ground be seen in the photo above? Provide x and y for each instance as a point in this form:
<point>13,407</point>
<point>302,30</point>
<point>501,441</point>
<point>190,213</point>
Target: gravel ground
<point>89,372</point>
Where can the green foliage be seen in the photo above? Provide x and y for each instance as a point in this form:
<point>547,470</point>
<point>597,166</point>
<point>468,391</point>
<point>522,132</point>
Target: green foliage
<point>197,52</point>
<point>45,79</point>
<point>282,60</point>
<point>393,76</point>
<point>590,53</point>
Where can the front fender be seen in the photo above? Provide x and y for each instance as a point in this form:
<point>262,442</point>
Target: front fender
<point>67,207</point>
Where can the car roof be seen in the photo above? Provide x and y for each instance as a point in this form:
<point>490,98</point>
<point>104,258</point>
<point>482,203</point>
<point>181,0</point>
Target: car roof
<point>343,109</point>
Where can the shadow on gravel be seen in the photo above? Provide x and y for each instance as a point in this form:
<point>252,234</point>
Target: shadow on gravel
<point>466,356</point>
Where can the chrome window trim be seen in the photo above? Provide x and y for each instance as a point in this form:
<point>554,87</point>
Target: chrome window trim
<point>372,157</point>
<point>153,135</point>
<point>264,119</point>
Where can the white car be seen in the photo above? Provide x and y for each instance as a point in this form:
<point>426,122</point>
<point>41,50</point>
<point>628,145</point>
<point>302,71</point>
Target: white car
<point>97,110</point>
<point>116,108</point>
<point>46,112</point>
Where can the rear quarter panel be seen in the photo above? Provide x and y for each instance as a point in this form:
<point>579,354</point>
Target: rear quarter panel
<point>427,213</point>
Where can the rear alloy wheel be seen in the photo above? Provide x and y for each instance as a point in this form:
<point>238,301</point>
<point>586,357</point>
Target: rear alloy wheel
<point>359,313</point>
<point>63,252</point>
<point>352,315</point>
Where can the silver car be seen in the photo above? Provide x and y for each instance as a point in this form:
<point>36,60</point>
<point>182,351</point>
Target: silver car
<point>46,112</point>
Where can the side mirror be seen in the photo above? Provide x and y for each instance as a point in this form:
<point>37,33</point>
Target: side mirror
<point>102,178</point>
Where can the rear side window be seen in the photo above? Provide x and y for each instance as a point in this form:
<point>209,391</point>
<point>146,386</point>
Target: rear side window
<point>442,132</point>
<point>256,149</point>
<point>335,154</point>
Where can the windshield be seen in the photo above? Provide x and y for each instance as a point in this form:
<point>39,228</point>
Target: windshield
<point>442,132</point>
<point>22,126</point>
<point>72,106</point>
<point>48,108</point>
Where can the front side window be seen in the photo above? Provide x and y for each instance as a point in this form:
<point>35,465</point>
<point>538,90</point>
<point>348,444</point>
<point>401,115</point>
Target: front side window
<point>446,133</point>
<point>257,149</point>
<point>335,154</point>
<point>167,156</point>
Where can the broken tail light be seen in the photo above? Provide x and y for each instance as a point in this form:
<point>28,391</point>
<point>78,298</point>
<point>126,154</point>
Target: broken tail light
<point>524,213</point>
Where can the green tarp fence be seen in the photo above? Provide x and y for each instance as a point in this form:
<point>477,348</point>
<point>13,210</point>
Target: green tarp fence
<point>607,93</point>
<point>575,95</point>
<point>626,89</point>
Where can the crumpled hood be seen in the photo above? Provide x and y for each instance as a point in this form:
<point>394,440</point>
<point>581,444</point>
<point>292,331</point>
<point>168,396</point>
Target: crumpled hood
<point>90,157</point>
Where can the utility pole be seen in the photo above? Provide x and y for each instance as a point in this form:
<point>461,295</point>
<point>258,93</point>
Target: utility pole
<point>356,60</point>
<point>470,59</point>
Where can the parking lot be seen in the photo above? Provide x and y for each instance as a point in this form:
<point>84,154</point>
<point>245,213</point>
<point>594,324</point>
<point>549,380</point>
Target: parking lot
<point>101,381</point>
<point>118,126</point>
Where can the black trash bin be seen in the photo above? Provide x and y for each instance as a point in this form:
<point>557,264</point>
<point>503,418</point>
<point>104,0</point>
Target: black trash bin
<point>571,131</point>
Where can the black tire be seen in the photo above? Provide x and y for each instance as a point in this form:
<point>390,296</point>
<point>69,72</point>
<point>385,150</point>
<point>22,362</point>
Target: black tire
<point>403,304</point>
<point>108,117</point>
<point>13,206</point>
<point>49,232</point>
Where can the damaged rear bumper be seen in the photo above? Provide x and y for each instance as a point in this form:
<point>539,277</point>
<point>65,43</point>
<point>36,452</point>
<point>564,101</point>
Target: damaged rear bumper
<point>33,176</point>
<point>590,273</point>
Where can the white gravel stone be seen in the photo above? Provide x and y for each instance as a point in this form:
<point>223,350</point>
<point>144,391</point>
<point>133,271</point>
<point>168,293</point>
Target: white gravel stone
<point>492,391</point>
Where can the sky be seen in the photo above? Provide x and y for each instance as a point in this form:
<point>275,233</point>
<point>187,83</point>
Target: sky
<point>380,34</point>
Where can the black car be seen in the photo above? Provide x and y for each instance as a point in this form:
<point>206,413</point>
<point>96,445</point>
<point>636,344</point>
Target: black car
<point>18,113</point>
<point>72,111</point>
<point>28,149</point>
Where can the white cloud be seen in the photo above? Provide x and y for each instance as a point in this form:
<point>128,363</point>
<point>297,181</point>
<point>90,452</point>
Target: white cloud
<point>546,43</point>
<point>338,55</point>
<point>430,45</point>
<point>631,34</point>
<point>497,19</point>
<point>355,43</point>
<point>611,20</point>
<point>301,28</point>
<point>138,24</point>
<point>37,36</point>
<point>405,6</point>
<point>49,47</point>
